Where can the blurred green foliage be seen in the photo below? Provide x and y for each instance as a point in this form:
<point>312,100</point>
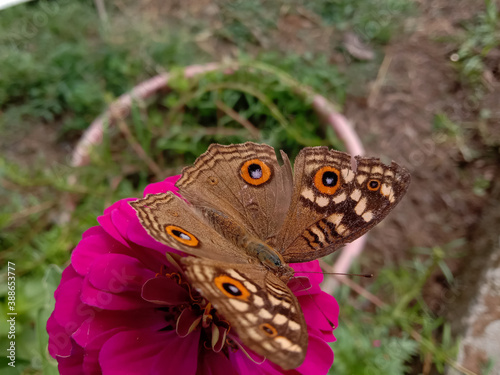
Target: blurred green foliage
<point>482,36</point>
<point>402,327</point>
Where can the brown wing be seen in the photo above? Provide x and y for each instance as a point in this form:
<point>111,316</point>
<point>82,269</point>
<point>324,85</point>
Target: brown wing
<point>171,221</point>
<point>244,182</point>
<point>259,306</point>
<point>333,204</point>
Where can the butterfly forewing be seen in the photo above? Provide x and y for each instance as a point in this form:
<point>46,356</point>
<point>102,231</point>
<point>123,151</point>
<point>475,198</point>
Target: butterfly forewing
<point>171,221</point>
<point>332,204</point>
<point>260,307</point>
<point>245,182</point>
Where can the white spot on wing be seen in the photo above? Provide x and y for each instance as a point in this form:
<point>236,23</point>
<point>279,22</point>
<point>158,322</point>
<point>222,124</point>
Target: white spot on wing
<point>387,192</point>
<point>239,305</point>
<point>367,216</point>
<point>267,345</point>
<point>308,194</point>
<point>198,273</point>
<point>293,325</point>
<point>245,322</point>
<point>280,319</point>
<point>389,173</point>
<point>264,314</point>
<point>258,301</point>
<point>340,229</point>
<point>361,206</point>
<point>322,201</point>
<point>255,335</point>
<point>319,233</point>
<point>339,198</point>
<point>295,348</point>
<point>251,317</point>
<point>235,275</point>
<point>250,286</point>
<point>348,175</point>
<point>356,194</point>
<point>283,342</point>
<point>377,169</point>
<point>361,178</point>
<point>335,218</point>
<point>274,301</point>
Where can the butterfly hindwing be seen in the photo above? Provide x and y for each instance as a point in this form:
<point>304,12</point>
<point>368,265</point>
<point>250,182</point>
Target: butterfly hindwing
<point>260,307</point>
<point>333,204</point>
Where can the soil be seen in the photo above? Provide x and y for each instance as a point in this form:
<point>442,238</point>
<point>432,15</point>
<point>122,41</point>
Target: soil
<point>396,120</point>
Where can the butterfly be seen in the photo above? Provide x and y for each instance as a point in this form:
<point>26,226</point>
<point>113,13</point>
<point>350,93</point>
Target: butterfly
<point>248,217</point>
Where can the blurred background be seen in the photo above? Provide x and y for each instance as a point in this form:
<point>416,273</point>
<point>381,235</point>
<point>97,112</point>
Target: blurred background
<point>418,80</point>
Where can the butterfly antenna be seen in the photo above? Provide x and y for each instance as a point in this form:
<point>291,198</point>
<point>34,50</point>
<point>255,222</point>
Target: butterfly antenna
<point>367,275</point>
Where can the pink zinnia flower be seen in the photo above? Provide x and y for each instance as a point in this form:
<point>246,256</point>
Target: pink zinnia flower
<point>123,307</point>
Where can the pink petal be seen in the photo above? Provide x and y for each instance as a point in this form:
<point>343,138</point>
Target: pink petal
<point>313,272</point>
<point>319,311</point>
<point>123,216</point>
<point>319,357</point>
<point>162,187</point>
<point>183,356</point>
<point>246,366</point>
<point>92,247</point>
<point>107,321</point>
<point>118,273</point>
<point>68,274</point>
<point>110,301</point>
<point>72,365</point>
<point>215,364</point>
<point>299,285</point>
<point>108,225</point>
<point>70,312</point>
<point>165,291</point>
<point>93,349</point>
<point>59,339</point>
<point>92,231</point>
<point>146,352</point>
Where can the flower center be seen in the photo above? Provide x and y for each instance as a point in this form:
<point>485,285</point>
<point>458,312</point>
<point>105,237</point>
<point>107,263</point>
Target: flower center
<point>193,312</point>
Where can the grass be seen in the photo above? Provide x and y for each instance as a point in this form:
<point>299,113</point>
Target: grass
<point>401,328</point>
<point>61,67</point>
<point>480,38</point>
<point>482,35</point>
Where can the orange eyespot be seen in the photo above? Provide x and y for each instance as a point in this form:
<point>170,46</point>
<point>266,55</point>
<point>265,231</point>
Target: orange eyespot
<point>231,288</point>
<point>373,185</point>
<point>255,172</point>
<point>268,329</point>
<point>212,180</point>
<point>327,180</point>
<point>181,235</point>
